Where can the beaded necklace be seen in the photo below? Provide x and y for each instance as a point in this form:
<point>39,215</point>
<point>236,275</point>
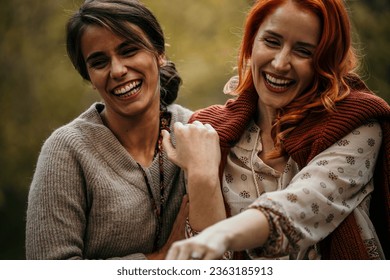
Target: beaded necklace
<point>165,120</point>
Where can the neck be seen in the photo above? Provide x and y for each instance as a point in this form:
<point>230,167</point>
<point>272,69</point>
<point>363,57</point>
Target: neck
<point>265,118</point>
<point>138,134</point>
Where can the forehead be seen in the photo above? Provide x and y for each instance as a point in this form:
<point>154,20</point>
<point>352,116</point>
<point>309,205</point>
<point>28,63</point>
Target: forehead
<point>96,38</point>
<point>100,38</point>
<point>291,21</point>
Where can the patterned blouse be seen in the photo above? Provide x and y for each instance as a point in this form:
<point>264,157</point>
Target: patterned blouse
<point>304,206</point>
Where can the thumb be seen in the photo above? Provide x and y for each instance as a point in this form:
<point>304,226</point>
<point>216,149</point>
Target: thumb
<point>167,145</point>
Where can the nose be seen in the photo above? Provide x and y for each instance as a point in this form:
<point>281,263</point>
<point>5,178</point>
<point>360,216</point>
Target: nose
<point>118,68</point>
<point>282,61</point>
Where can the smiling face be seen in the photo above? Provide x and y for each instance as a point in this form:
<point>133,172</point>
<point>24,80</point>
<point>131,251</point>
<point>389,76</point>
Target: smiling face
<point>282,55</point>
<point>126,77</point>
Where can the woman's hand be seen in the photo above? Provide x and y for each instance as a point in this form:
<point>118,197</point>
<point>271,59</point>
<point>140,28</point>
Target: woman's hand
<point>198,153</point>
<point>197,147</point>
<point>210,244</point>
<point>247,230</point>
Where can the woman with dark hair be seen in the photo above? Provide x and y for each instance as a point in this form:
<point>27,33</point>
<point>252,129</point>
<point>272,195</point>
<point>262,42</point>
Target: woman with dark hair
<point>103,187</point>
<point>305,146</point>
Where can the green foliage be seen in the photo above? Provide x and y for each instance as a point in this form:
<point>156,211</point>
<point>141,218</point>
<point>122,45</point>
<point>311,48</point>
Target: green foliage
<point>371,24</point>
<point>204,37</point>
<point>40,90</point>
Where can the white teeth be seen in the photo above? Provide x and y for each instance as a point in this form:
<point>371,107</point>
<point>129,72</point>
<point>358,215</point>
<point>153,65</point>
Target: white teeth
<point>277,82</point>
<point>130,88</point>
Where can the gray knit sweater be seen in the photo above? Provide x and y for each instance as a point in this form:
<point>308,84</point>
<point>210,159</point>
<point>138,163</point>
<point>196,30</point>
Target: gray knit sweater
<point>88,198</point>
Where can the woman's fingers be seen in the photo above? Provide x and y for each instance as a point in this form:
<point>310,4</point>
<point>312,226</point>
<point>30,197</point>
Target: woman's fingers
<point>197,248</point>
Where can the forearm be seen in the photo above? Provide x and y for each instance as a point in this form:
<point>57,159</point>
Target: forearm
<point>206,201</point>
<point>200,163</point>
<point>247,230</point>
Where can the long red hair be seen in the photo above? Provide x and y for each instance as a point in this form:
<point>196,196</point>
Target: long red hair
<point>334,62</point>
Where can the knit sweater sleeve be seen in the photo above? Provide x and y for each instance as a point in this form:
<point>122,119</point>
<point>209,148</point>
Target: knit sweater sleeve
<point>56,213</point>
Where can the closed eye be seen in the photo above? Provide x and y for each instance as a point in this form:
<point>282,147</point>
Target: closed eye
<point>97,61</point>
<point>273,43</point>
<point>128,51</point>
<point>304,52</point>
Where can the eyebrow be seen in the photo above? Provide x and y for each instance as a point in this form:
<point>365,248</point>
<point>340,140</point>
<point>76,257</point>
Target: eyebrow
<point>303,44</point>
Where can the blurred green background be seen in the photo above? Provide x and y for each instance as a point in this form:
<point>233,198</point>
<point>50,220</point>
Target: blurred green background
<point>39,90</point>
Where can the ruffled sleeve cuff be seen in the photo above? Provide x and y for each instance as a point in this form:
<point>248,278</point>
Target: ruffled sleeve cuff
<point>283,238</point>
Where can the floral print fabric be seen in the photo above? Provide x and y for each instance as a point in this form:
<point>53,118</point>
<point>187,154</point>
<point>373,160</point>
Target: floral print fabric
<point>304,206</point>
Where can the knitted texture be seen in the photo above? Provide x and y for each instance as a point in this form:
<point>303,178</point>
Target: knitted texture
<point>317,132</point>
<point>231,119</point>
<point>88,198</point>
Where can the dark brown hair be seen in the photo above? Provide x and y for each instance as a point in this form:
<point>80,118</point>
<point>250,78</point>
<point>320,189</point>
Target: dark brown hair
<point>121,17</point>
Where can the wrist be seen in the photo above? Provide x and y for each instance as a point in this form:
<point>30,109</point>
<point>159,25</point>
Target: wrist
<point>202,175</point>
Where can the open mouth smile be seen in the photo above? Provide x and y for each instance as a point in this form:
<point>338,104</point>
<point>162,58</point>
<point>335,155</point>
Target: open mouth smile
<point>277,84</point>
<point>128,89</point>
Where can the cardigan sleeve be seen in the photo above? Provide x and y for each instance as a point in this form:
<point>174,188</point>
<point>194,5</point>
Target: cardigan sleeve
<point>56,213</point>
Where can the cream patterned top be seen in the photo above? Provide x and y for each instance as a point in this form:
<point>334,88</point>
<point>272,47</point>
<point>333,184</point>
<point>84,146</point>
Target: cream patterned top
<point>304,206</point>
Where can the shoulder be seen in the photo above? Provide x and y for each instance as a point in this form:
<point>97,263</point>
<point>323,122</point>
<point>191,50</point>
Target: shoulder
<point>351,112</point>
<point>360,101</point>
<point>74,133</point>
<point>356,109</point>
<point>179,113</point>
<point>320,130</point>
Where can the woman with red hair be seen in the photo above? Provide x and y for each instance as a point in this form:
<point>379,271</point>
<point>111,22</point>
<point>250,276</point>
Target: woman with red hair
<point>305,146</point>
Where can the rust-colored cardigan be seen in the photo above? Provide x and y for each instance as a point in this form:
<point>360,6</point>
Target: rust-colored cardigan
<point>317,132</point>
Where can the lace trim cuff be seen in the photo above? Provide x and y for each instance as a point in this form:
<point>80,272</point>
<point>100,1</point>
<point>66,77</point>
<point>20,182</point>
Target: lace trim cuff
<point>284,237</point>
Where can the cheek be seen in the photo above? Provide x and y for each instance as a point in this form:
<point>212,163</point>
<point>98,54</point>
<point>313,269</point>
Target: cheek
<point>95,79</point>
<point>254,64</point>
<point>260,58</point>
